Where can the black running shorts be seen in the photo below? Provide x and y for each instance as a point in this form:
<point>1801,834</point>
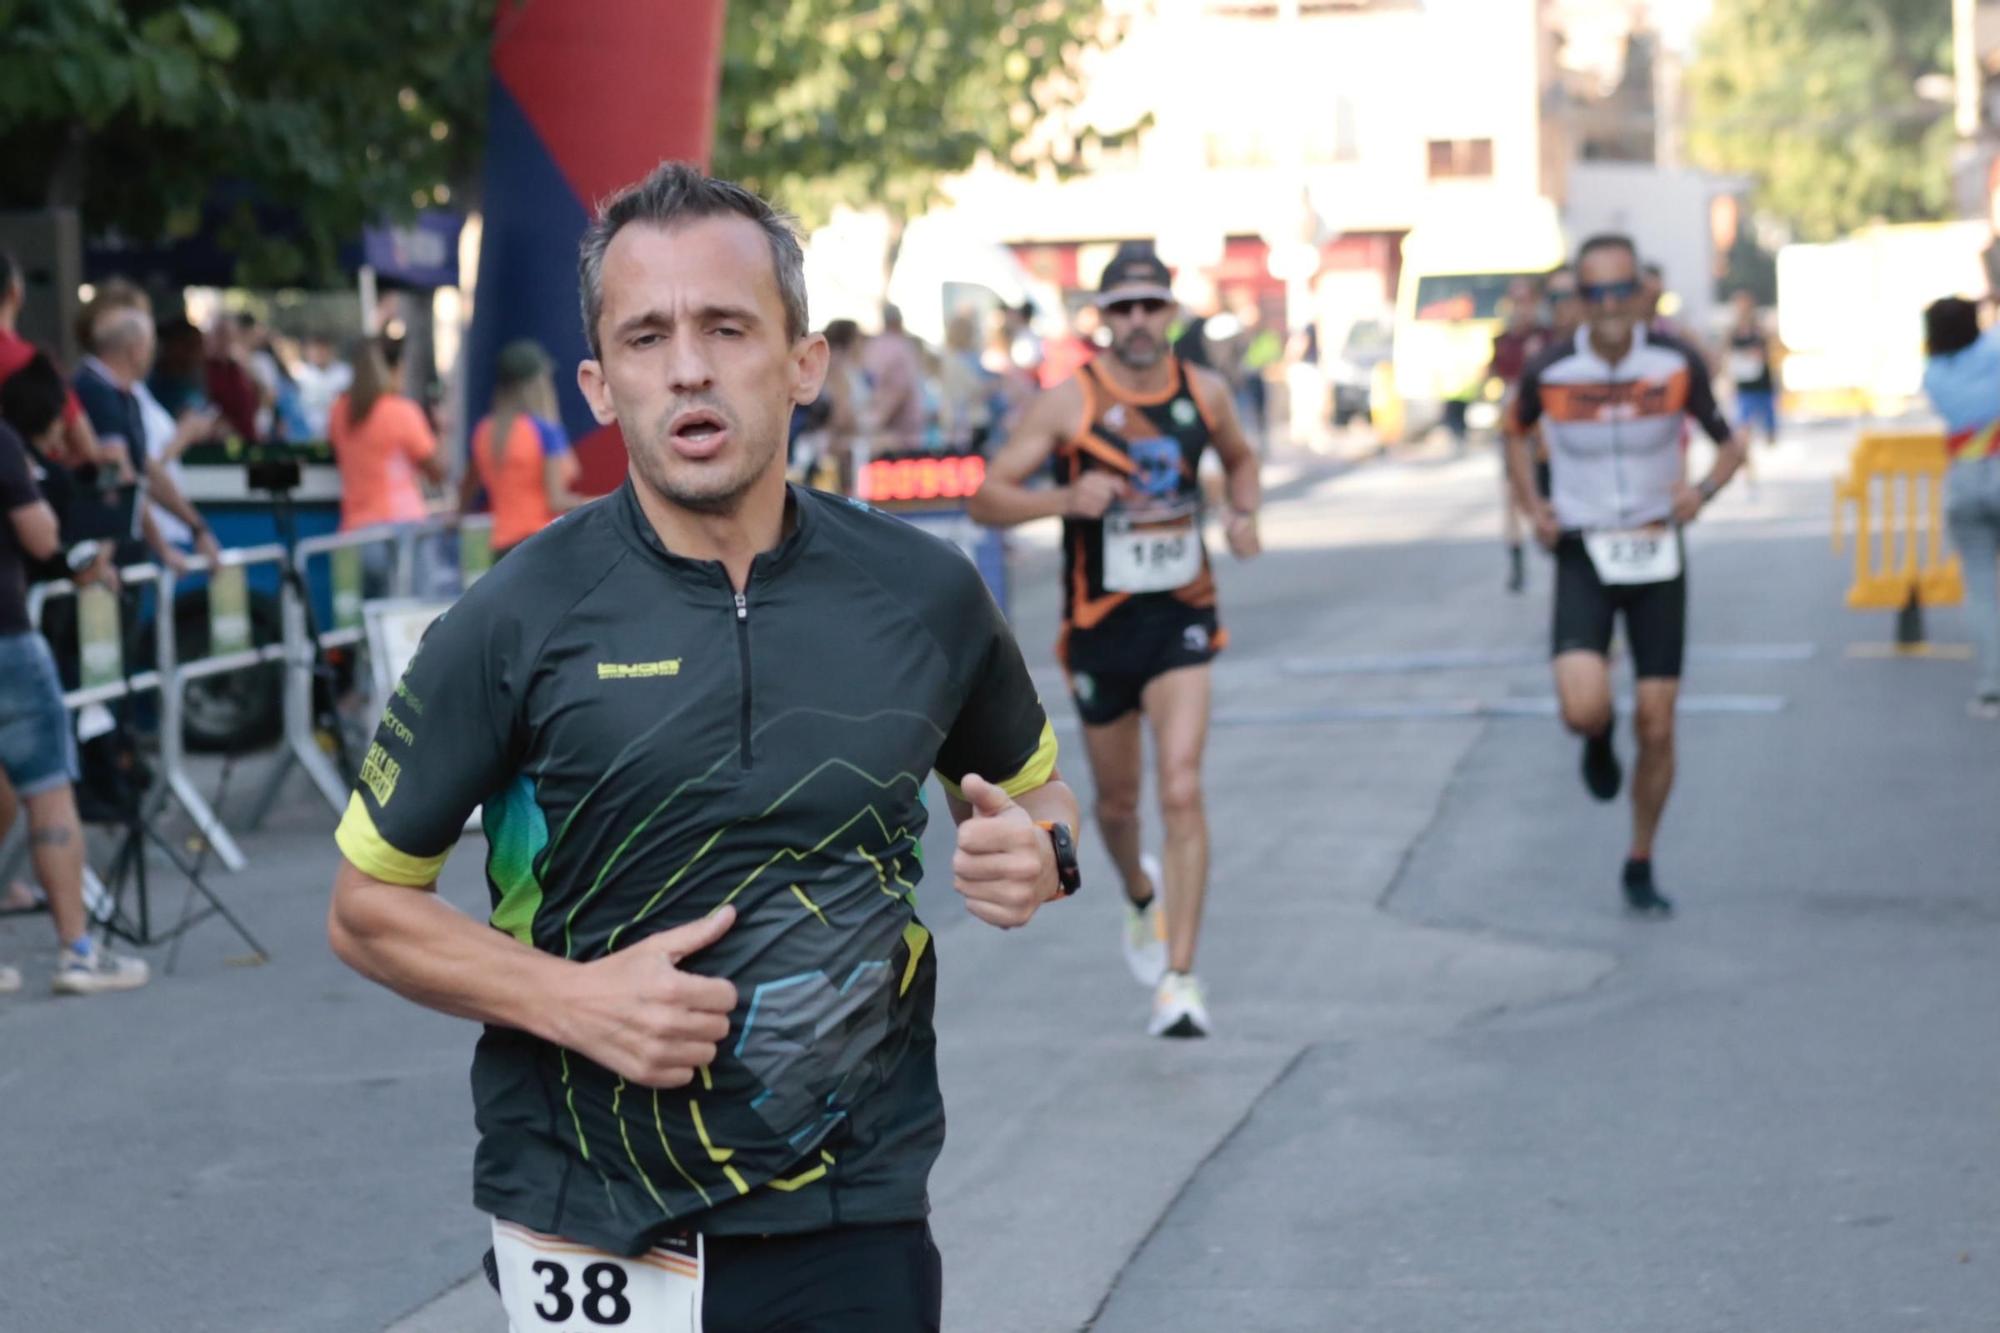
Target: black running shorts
<point>1655,613</point>
<point>1111,665</point>
<point>861,1279</point>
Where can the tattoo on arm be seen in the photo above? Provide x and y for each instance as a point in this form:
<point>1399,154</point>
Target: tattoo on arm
<point>59,836</point>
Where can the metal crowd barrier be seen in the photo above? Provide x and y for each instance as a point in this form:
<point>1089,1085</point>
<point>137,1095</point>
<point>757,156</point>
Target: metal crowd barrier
<point>348,578</point>
<point>1900,563</point>
<point>231,647</point>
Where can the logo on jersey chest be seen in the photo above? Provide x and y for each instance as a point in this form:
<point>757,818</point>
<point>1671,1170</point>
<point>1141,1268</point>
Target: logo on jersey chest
<point>1158,460</point>
<point>638,670</point>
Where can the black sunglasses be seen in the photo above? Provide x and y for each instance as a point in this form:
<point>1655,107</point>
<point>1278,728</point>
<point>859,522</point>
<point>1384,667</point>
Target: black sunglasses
<point>1597,293</point>
<point>1151,305</point>
<point>1562,293</point>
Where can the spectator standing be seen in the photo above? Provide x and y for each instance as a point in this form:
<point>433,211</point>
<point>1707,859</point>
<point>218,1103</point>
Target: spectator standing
<point>231,387</point>
<point>520,453</point>
<point>322,377</point>
<point>383,444</point>
<point>1962,378</point>
<point>895,375</point>
<point>79,445</point>
<point>37,748</point>
<point>122,343</point>
<point>168,435</point>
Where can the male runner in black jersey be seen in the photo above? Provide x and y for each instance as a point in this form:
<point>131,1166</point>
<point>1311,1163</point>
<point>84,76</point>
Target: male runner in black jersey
<point>1139,624</point>
<point>699,714</point>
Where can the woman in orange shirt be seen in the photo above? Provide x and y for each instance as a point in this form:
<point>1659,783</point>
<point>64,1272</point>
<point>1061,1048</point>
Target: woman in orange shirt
<point>383,445</point>
<point>520,454</point>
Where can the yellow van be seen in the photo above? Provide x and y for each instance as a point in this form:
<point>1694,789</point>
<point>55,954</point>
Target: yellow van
<point>1457,266</point>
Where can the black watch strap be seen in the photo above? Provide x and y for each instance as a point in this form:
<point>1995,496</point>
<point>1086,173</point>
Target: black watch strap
<point>1069,875</point>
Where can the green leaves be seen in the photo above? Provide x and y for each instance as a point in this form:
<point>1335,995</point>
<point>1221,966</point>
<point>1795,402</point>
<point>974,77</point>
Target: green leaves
<point>1816,99</point>
<point>137,112</point>
<point>872,103</point>
<point>348,111</point>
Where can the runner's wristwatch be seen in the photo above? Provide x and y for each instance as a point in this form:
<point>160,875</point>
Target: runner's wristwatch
<point>1069,875</point>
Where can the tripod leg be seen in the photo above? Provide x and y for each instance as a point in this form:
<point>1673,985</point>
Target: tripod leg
<point>216,905</point>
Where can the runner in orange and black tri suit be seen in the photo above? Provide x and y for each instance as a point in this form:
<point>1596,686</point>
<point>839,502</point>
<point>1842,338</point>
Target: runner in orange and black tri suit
<point>1127,433</point>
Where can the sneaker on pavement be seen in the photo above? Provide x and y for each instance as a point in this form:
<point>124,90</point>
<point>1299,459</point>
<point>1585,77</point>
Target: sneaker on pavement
<point>1642,896</point>
<point>1601,773</point>
<point>10,979</point>
<point>1178,1010</point>
<point>97,971</point>
<point>1145,941</point>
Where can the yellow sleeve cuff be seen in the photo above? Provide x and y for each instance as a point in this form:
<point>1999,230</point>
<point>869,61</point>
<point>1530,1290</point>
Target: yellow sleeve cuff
<point>363,844</point>
<point>1032,775</point>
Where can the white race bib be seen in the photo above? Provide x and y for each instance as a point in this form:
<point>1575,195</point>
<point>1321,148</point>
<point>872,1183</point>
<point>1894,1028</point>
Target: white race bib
<point>1635,555</point>
<point>551,1285</point>
<point>1745,367</point>
<point>1144,554</point>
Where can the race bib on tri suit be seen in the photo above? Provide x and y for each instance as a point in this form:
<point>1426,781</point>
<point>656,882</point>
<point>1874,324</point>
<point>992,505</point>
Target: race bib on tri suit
<point>1635,555</point>
<point>1152,550</point>
<point>550,1285</point>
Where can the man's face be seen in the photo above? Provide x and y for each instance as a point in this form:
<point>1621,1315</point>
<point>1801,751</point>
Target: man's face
<point>1565,307</point>
<point>1609,281</point>
<point>1139,330</point>
<point>696,365</point>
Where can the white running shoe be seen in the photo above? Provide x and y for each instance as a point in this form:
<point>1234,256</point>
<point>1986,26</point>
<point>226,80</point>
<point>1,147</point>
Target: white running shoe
<point>1178,1010</point>
<point>10,979</point>
<point>98,971</point>
<point>1145,941</point>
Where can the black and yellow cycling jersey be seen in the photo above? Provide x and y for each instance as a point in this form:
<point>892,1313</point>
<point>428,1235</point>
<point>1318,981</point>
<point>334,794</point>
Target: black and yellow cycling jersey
<point>1148,549</point>
<point>649,745</point>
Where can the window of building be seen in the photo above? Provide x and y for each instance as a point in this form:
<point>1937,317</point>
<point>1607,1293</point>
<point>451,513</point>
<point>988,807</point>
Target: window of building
<point>1461,159</point>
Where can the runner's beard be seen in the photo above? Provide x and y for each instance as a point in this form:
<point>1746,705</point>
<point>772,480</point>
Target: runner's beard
<point>1139,351</point>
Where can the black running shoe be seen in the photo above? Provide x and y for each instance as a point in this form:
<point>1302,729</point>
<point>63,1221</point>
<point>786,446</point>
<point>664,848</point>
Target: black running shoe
<point>1641,894</point>
<point>1601,773</point>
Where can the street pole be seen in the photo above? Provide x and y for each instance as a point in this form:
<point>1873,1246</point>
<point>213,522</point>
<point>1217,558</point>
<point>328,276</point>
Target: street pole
<point>1965,69</point>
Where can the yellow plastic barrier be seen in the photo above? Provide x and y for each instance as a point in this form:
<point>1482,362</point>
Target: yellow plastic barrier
<point>1899,555</point>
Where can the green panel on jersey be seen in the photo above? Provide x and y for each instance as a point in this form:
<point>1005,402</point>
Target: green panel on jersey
<point>516,833</point>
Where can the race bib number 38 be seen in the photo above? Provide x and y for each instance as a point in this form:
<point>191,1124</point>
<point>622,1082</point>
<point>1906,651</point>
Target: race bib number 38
<point>1635,555</point>
<point>550,1285</point>
<point>1148,555</point>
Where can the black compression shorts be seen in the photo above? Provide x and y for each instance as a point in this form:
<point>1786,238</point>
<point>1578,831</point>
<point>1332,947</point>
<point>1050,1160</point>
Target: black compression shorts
<point>863,1279</point>
<point>1110,666</point>
<point>1586,607</point>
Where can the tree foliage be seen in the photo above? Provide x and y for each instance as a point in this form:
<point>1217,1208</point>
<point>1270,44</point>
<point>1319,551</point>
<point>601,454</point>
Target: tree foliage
<point>871,103</point>
<point>144,113</point>
<point>1816,100</point>
<point>330,113</point>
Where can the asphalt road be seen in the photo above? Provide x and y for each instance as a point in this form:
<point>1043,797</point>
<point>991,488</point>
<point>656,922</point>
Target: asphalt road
<point>1452,1086</point>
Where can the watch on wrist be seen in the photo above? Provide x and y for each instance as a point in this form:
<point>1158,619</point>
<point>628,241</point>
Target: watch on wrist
<point>1069,875</point>
<point>1708,488</point>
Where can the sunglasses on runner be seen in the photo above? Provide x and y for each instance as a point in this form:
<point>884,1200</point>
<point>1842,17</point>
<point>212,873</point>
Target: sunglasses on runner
<point>1126,309</point>
<point>1562,293</point>
<point>1597,293</point>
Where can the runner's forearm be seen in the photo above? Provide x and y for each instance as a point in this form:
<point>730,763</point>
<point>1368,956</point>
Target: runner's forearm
<point>426,950</point>
<point>1521,473</point>
<point>1728,458</point>
<point>1002,504</point>
<point>1245,488</point>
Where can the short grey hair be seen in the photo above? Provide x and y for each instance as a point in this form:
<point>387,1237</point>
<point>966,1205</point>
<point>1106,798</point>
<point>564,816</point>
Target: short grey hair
<point>678,192</point>
<point>118,329</point>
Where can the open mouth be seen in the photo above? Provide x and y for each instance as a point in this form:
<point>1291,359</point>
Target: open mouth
<point>698,433</point>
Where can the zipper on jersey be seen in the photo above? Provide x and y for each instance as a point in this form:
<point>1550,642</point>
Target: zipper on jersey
<point>743,661</point>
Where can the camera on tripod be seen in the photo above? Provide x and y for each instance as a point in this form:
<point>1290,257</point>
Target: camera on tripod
<point>272,471</point>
